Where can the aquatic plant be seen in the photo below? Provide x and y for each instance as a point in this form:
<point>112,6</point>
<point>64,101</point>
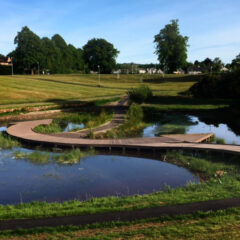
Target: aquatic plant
<point>35,157</point>
<point>72,157</point>
<point>7,142</point>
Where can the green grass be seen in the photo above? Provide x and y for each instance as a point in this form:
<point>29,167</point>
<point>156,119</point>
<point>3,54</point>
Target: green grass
<point>7,142</point>
<point>52,88</point>
<point>72,157</point>
<point>66,158</point>
<point>35,157</point>
<point>220,180</point>
<point>222,224</point>
<point>132,125</point>
<point>54,127</point>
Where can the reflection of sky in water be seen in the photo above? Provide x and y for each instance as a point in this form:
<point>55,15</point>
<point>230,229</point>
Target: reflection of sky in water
<point>3,129</point>
<point>221,131</point>
<point>72,126</point>
<point>94,176</point>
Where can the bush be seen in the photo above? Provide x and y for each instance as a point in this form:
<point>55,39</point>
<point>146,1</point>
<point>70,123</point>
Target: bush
<point>220,141</point>
<point>5,70</point>
<point>135,114</point>
<point>140,94</point>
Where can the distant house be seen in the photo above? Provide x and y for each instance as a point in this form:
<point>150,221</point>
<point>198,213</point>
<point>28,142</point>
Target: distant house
<point>224,69</point>
<point>194,70</point>
<point>179,71</point>
<point>159,71</point>
<point>154,71</point>
<point>5,61</point>
<point>151,70</point>
<point>117,71</point>
<point>142,71</point>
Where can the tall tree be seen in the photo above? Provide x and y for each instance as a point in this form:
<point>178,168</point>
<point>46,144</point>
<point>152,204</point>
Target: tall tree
<point>76,58</point>
<point>236,63</point>
<point>29,53</point>
<point>52,56</point>
<point>65,61</point>
<point>171,47</point>
<point>99,52</point>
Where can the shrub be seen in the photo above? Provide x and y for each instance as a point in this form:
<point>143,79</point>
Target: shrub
<point>220,141</point>
<point>135,114</point>
<point>140,94</point>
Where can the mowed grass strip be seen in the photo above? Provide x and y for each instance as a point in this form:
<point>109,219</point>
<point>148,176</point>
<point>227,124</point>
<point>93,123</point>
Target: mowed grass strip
<point>223,224</point>
<point>27,88</point>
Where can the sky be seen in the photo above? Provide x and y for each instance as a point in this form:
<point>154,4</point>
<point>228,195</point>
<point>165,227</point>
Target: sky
<point>213,26</point>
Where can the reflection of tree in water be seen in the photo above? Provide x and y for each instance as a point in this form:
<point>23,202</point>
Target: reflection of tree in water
<point>230,117</point>
<point>63,124</point>
<point>174,124</point>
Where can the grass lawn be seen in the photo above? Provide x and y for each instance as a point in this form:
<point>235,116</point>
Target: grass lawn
<point>36,89</point>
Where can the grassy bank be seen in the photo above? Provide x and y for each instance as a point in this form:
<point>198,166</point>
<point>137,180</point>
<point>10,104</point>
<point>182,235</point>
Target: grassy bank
<point>66,158</point>
<point>220,179</point>
<point>222,224</point>
<point>52,88</point>
<point>7,142</point>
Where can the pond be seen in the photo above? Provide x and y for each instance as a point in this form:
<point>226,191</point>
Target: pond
<point>22,180</point>
<point>189,124</point>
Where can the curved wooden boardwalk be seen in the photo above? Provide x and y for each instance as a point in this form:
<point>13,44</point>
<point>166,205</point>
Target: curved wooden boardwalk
<point>23,131</point>
<point>116,121</point>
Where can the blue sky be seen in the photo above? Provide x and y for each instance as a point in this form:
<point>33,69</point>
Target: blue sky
<point>213,26</point>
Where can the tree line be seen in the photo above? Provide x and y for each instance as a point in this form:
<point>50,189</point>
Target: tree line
<point>34,54</point>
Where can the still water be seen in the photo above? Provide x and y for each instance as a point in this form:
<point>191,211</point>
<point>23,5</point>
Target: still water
<point>22,180</point>
<point>188,124</point>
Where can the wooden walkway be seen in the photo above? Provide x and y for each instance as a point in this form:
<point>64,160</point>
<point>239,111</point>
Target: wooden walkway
<point>116,121</point>
<point>23,131</point>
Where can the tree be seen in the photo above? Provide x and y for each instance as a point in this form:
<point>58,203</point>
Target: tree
<point>52,56</point>
<point>65,60</point>
<point>76,58</point>
<point>236,63</point>
<point>171,47</point>
<point>217,65</point>
<point>29,53</point>
<point>99,52</point>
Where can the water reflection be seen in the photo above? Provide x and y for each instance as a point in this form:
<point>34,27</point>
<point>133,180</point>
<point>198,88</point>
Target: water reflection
<point>188,124</point>
<point>72,126</point>
<point>94,176</point>
<point>2,129</point>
